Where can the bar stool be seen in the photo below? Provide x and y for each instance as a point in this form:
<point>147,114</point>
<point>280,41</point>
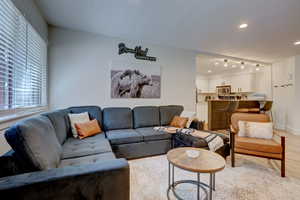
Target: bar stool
<point>267,108</point>
<point>229,110</point>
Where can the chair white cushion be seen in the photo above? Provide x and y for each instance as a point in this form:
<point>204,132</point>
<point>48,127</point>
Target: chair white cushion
<point>78,118</point>
<point>262,130</point>
<point>242,128</point>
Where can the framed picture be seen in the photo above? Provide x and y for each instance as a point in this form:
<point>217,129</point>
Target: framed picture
<point>135,80</point>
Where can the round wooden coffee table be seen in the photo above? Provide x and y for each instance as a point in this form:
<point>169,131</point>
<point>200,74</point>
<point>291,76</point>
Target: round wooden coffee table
<point>206,162</point>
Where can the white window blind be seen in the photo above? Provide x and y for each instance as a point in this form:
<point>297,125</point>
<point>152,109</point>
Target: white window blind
<point>23,62</point>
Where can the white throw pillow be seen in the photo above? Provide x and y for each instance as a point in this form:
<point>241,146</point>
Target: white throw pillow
<point>262,130</point>
<point>242,129</point>
<point>189,114</point>
<point>78,118</point>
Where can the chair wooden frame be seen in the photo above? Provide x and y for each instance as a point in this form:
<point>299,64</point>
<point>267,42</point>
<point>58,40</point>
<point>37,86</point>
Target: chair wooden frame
<point>232,145</point>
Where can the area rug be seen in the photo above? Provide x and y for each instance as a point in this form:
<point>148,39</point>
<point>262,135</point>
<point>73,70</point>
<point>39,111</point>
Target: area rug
<point>247,181</point>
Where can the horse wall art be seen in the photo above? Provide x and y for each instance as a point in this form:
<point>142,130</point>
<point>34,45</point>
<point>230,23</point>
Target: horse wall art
<point>134,82</point>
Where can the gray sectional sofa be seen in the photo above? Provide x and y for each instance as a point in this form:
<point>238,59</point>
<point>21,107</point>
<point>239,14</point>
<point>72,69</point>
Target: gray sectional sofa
<point>48,163</point>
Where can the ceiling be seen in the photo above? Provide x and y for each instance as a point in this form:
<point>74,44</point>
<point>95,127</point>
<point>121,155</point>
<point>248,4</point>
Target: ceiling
<point>205,26</point>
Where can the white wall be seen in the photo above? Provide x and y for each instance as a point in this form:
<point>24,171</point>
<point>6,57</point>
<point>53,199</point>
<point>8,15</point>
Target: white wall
<point>79,65</point>
<point>286,107</point>
<point>294,122</point>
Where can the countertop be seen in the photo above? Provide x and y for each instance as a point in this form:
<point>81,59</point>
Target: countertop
<point>236,100</point>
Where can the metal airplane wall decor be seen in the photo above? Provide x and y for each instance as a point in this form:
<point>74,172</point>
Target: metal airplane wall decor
<point>137,51</point>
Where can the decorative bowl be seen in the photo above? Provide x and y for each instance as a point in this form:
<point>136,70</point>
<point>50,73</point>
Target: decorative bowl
<point>192,153</point>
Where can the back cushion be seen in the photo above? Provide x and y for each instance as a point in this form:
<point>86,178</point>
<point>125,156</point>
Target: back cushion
<point>145,116</point>
<point>117,118</point>
<point>168,112</point>
<point>94,112</point>
<point>60,122</point>
<point>249,117</point>
<point>35,141</point>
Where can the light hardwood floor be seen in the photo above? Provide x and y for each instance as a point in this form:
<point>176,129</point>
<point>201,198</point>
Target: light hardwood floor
<point>292,156</point>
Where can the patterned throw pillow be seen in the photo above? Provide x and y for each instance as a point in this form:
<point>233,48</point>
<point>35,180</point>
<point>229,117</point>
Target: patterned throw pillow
<point>190,115</point>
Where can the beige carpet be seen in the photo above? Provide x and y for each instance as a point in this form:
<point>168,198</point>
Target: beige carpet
<point>247,181</point>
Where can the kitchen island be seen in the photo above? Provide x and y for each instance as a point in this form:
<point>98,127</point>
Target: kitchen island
<point>217,119</point>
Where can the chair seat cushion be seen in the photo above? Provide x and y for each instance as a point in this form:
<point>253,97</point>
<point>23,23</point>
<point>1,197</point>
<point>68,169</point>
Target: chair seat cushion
<point>74,147</point>
<point>258,145</point>
<point>124,136</point>
<point>92,159</point>
<point>149,134</point>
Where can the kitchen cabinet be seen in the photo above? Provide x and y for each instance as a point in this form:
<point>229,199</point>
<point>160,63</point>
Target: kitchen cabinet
<point>245,82</point>
<point>202,85</point>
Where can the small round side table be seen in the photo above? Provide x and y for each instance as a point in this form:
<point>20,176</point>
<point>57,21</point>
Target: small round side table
<point>206,162</point>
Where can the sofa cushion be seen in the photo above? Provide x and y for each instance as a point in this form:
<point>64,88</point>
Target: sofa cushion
<point>74,147</point>
<point>35,141</point>
<point>94,112</point>
<point>145,116</point>
<point>117,118</point>
<point>124,136</point>
<point>149,134</point>
<point>60,122</point>
<point>85,160</point>
<point>168,112</point>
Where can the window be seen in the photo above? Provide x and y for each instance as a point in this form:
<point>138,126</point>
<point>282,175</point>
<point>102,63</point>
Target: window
<point>23,63</point>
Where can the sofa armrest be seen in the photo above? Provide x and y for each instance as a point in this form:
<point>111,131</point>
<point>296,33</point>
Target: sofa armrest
<point>108,180</point>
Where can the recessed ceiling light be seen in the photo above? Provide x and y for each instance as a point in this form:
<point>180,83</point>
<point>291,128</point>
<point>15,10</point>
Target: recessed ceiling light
<point>209,71</point>
<point>242,65</point>
<point>216,63</point>
<point>257,67</point>
<point>243,26</point>
<point>225,63</point>
<point>297,42</point>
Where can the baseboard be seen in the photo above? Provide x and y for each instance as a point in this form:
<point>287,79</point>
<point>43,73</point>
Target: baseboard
<point>293,130</point>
